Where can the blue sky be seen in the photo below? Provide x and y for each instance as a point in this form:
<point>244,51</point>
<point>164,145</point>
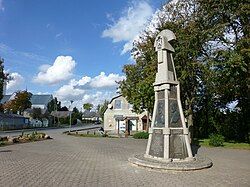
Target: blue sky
<point>75,49</point>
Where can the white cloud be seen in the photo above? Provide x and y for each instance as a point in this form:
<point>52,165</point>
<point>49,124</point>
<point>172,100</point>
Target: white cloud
<point>61,70</point>
<point>83,81</point>
<point>44,67</point>
<point>58,35</point>
<point>97,97</point>
<point>72,90</point>
<point>1,6</point>
<point>94,90</point>
<point>104,80</point>
<point>43,93</point>
<point>15,83</point>
<point>132,22</point>
<point>8,51</point>
<point>69,92</point>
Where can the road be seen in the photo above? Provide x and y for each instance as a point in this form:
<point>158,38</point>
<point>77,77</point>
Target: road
<point>47,130</point>
<point>79,161</point>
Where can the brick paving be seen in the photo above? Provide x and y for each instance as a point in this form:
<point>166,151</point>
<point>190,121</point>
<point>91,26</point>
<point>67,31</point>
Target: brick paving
<point>77,161</point>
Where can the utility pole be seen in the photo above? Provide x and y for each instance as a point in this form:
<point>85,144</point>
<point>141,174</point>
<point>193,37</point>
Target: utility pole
<point>70,115</point>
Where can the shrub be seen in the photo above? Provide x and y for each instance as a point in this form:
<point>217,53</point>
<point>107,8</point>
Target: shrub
<point>216,140</point>
<point>141,135</point>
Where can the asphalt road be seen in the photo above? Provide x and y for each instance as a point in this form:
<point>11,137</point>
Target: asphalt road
<point>47,130</point>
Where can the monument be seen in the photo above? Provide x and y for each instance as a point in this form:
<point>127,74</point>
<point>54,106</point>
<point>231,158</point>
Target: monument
<point>168,143</point>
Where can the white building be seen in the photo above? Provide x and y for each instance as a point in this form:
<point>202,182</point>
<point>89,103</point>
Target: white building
<point>119,117</point>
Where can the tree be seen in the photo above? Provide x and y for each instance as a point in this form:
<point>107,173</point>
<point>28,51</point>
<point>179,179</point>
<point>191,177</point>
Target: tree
<point>76,115</point>
<point>87,106</point>
<point>101,108</point>
<point>54,105</point>
<point>37,113</point>
<point>19,103</point>
<point>229,63</point>
<point>64,108</point>
<point>212,69</point>
<point>138,86</point>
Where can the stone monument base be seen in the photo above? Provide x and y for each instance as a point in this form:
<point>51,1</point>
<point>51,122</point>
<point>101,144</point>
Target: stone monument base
<point>197,163</point>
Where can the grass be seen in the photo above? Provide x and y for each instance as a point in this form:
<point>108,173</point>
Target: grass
<point>90,135</point>
<point>86,135</point>
<point>141,135</point>
<point>232,145</point>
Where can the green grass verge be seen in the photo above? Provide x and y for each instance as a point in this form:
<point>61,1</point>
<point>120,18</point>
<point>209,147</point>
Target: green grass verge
<point>87,135</point>
<point>141,135</point>
<point>233,145</point>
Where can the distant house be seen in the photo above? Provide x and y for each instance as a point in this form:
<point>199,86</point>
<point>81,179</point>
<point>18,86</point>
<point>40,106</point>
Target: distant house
<point>40,101</point>
<point>90,116</point>
<point>28,113</point>
<point>12,121</point>
<point>37,101</point>
<point>119,117</point>
<point>60,114</point>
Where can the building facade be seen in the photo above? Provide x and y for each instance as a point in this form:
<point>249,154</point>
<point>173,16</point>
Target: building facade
<point>12,121</point>
<point>119,117</point>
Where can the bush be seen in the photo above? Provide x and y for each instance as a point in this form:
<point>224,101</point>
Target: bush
<point>216,140</point>
<point>141,135</point>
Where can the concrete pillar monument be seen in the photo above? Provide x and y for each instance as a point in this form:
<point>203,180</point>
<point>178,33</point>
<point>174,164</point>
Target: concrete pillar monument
<point>168,135</point>
<point>168,144</point>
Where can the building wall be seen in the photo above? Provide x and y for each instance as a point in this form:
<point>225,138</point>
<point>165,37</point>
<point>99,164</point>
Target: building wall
<point>4,87</point>
<point>13,123</point>
<point>39,106</point>
<point>110,123</point>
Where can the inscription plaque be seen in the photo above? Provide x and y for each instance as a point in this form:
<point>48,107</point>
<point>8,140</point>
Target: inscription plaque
<point>177,146</point>
<point>157,145</point>
<point>174,114</point>
<point>161,94</point>
<point>172,92</point>
<point>160,114</point>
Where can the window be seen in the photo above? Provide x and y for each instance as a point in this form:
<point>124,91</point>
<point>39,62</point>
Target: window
<point>118,104</point>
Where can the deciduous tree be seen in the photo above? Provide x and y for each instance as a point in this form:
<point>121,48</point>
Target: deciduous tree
<point>87,106</point>
<point>19,103</point>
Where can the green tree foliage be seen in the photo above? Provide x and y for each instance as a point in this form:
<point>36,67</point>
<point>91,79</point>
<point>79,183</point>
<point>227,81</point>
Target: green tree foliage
<point>76,115</point>
<point>19,103</point>
<point>37,114</point>
<point>101,108</point>
<point>64,108</point>
<point>87,106</point>
<point>54,105</point>
<point>228,62</point>
<point>212,64</point>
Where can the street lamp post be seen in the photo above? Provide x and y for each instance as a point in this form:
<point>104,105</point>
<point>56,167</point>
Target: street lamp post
<point>70,115</point>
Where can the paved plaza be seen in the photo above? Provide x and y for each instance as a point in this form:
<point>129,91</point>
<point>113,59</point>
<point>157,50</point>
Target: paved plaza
<point>77,161</point>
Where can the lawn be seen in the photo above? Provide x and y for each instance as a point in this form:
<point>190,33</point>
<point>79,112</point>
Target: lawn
<point>233,145</point>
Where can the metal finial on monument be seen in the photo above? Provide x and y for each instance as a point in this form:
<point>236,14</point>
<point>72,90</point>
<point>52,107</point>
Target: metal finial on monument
<point>168,144</point>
